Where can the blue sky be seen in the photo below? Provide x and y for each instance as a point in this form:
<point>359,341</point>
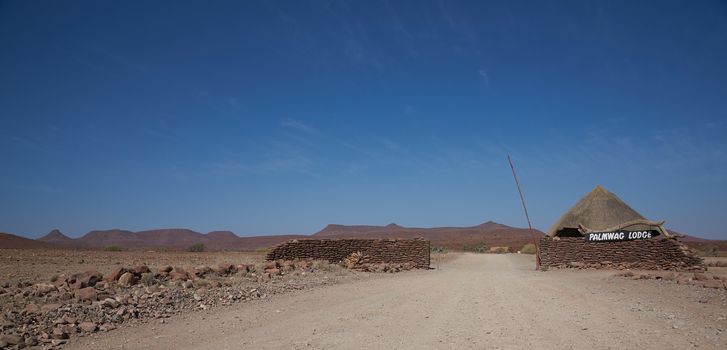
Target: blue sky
<point>281,117</point>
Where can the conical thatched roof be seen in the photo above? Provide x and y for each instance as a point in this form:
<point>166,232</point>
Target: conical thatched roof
<point>601,210</point>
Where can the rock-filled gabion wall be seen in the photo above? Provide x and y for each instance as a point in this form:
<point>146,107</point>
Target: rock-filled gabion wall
<point>649,254</point>
<point>375,251</point>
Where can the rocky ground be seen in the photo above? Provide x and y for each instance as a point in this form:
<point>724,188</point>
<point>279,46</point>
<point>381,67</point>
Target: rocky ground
<point>473,301</point>
<point>49,312</point>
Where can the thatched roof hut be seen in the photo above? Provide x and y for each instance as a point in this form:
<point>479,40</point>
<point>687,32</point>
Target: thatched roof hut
<point>601,210</point>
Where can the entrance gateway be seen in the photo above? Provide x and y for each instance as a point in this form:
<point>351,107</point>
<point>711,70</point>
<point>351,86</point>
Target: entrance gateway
<point>601,231</point>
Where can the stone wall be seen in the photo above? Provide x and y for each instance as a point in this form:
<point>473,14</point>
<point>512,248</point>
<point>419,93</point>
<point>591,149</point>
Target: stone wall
<point>376,251</point>
<point>650,254</point>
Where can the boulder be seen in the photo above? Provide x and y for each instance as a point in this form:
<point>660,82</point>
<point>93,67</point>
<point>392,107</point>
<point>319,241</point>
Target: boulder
<point>45,288</point>
<point>49,307</point>
<point>142,269</point>
<point>178,276</point>
<point>32,309</point>
<point>60,281</point>
<point>127,279</point>
<point>225,268</point>
<point>59,333</point>
<point>31,341</point>
<point>88,293</point>
<point>116,274</point>
<point>92,277</point>
<point>88,326</point>
<point>202,270</point>
<point>11,339</point>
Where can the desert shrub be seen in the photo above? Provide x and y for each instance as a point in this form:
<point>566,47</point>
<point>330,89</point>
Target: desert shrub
<point>147,279</point>
<point>197,247</point>
<point>442,250</point>
<point>708,250</point>
<point>499,250</point>
<point>480,248</point>
<point>201,283</point>
<point>528,249</point>
<point>54,278</point>
<point>112,248</point>
<point>326,266</point>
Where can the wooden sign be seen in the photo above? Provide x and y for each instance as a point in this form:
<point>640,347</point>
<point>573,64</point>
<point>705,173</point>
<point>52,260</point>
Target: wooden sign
<point>617,236</point>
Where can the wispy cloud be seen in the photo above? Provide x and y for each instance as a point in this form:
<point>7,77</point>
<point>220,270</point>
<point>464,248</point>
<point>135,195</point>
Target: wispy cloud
<point>296,164</point>
<point>484,76</point>
<point>392,146</point>
<point>298,125</point>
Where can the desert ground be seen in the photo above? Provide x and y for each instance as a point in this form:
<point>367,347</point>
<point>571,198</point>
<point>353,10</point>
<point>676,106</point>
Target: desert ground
<point>471,301</point>
<point>39,265</point>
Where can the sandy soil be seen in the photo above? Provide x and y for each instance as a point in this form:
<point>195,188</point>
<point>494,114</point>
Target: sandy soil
<point>470,302</point>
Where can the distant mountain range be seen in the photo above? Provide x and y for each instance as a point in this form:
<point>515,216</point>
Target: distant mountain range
<point>490,234</point>
<point>175,238</point>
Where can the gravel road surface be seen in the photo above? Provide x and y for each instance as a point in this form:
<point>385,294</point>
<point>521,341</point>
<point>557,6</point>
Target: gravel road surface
<point>475,301</point>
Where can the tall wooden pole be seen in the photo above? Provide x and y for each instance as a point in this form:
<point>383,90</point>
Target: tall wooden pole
<point>525,208</point>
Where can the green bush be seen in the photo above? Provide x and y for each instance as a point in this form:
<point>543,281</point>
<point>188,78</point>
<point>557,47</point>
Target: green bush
<point>708,250</point>
<point>197,247</point>
<point>112,248</point>
<point>499,250</point>
<point>443,250</point>
<point>528,249</point>
<point>481,248</point>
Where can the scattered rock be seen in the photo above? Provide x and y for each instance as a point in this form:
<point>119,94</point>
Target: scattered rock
<point>49,307</point>
<point>88,293</point>
<point>88,326</point>
<point>127,279</point>
<point>11,339</point>
<point>59,333</point>
<point>32,309</point>
<point>116,274</point>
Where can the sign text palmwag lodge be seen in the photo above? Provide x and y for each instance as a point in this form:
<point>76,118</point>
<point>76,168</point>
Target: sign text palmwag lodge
<point>617,236</point>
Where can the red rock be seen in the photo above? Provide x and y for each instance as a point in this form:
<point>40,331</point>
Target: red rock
<point>116,274</point>
<point>88,326</point>
<point>11,339</point>
<point>270,265</point>
<point>92,277</point>
<point>273,271</point>
<point>49,307</point>
<point>142,269</point>
<point>88,293</point>
<point>202,270</point>
<point>127,279</point>
<point>226,268</point>
<point>178,276</point>
<point>45,288</point>
<point>60,281</point>
<point>700,276</point>
<point>32,309</point>
<point>58,333</point>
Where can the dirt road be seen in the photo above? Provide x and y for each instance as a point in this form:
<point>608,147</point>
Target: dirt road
<point>476,301</point>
